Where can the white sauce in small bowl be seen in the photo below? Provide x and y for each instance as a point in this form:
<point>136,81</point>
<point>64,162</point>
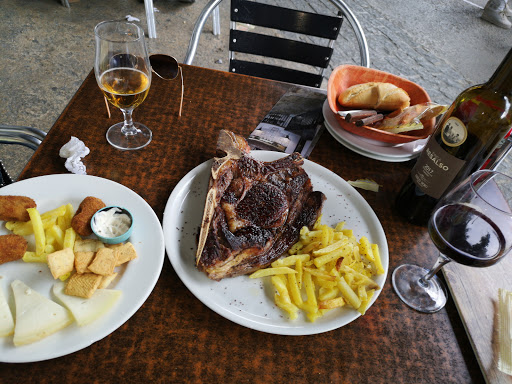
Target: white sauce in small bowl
<point>111,222</point>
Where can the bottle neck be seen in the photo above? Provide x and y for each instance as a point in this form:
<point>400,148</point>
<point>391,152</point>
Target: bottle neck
<point>501,80</point>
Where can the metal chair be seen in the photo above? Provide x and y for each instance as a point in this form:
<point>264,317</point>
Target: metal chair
<point>13,134</point>
<point>280,19</point>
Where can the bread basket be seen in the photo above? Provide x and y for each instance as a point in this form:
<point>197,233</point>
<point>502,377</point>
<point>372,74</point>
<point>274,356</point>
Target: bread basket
<point>345,76</point>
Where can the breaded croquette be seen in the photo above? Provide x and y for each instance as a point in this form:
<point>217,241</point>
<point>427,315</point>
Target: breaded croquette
<point>14,208</point>
<point>12,247</point>
<point>81,222</point>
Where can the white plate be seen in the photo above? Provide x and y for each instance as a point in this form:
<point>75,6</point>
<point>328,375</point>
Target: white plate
<point>136,281</point>
<point>249,302</point>
<point>371,148</point>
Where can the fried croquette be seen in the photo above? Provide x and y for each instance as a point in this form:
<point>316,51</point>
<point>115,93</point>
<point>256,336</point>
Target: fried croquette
<point>12,247</point>
<point>81,222</point>
<point>14,208</point>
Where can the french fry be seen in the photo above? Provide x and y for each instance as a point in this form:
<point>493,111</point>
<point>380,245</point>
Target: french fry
<point>38,228</point>
<point>295,248</point>
<point>64,221</point>
<point>294,290</point>
<point>377,261</point>
<point>58,234</point>
<point>299,269</point>
<point>366,248</point>
<point>327,235</point>
<point>310,289</point>
<point>339,227</point>
<point>49,248</point>
<point>330,248</point>
<point>364,305</point>
<point>332,256</point>
<point>69,238</point>
<point>348,294</point>
<point>271,272</point>
<point>332,303</point>
<point>31,257</point>
<point>320,273</point>
<point>287,306</point>
<point>290,260</point>
<point>311,246</point>
<point>65,276</point>
<point>279,284</point>
<point>365,280</point>
<point>327,293</point>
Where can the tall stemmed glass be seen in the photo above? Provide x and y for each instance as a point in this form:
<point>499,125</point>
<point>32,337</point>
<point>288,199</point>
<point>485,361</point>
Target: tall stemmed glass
<point>123,74</point>
<point>471,225</point>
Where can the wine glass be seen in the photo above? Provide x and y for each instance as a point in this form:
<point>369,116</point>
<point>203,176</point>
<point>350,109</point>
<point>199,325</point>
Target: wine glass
<point>123,74</point>
<point>471,225</point>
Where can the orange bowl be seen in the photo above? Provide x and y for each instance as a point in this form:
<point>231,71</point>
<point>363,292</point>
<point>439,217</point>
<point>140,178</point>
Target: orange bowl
<point>346,76</point>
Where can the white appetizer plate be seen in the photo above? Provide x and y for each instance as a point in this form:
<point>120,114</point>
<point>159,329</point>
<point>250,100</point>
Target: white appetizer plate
<point>371,148</point>
<point>136,280</point>
<point>249,302</point>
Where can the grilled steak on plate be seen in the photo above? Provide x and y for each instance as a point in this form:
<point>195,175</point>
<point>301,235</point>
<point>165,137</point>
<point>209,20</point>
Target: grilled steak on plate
<point>254,210</point>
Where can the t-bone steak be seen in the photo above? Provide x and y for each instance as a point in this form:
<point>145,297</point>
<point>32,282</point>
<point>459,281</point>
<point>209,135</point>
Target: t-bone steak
<point>254,210</point>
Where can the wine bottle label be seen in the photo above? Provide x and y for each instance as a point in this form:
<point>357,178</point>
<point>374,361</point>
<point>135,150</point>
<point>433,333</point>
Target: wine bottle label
<point>454,132</point>
<point>435,169</point>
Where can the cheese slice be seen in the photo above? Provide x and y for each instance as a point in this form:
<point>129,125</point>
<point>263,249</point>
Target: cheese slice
<point>36,316</point>
<point>85,310</point>
<point>6,320</point>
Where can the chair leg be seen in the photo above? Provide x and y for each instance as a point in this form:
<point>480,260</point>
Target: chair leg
<point>5,178</point>
<point>150,16</point>
<point>216,21</point>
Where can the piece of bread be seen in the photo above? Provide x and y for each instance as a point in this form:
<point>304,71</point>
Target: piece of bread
<point>381,96</point>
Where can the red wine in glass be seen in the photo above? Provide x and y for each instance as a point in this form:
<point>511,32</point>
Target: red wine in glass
<point>465,235</point>
<point>471,225</point>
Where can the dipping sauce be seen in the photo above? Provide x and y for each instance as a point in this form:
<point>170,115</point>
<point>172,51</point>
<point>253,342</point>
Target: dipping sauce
<point>111,222</point>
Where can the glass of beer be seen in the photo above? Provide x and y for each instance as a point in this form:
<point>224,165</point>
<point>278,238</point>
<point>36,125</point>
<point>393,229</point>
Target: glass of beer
<point>123,73</point>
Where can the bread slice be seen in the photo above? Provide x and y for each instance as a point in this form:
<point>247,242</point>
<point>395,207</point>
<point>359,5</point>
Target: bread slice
<point>375,95</point>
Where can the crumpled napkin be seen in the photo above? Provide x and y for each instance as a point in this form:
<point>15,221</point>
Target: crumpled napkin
<point>505,331</point>
<point>73,151</point>
<point>131,18</point>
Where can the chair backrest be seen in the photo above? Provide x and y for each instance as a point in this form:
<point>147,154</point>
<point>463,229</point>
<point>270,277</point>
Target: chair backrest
<point>271,45</point>
<point>13,134</point>
<point>212,8</point>
<point>27,136</point>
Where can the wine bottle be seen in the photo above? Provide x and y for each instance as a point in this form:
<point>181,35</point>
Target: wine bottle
<point>464,138</point>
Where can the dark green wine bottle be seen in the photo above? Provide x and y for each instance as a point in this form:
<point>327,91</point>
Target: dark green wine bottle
<point>464,138</point>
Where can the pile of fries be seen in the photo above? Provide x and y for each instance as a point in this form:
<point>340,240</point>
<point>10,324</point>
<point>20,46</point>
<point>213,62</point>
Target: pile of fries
<point>327,268</point>
<point>52,232</point>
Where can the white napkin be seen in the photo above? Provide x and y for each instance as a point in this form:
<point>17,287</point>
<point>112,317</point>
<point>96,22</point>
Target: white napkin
<point>505,331</point>
<point>131,18</point>
<point>73,151</point>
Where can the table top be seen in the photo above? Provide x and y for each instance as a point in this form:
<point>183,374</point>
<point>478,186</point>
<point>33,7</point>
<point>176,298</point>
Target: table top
<point>174,337</point>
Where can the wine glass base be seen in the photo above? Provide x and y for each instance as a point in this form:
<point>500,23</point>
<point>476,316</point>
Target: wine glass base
<point>139,139</point>
<point>427,298</point>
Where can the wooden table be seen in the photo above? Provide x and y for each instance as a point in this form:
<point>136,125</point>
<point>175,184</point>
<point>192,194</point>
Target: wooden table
<point>174,337</point>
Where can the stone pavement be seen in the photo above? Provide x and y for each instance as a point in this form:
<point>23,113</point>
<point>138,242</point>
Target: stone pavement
<point>47,49</point>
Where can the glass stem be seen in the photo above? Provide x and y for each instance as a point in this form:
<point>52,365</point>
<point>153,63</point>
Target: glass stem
<point>441,261</point>
<point>128,127</point>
